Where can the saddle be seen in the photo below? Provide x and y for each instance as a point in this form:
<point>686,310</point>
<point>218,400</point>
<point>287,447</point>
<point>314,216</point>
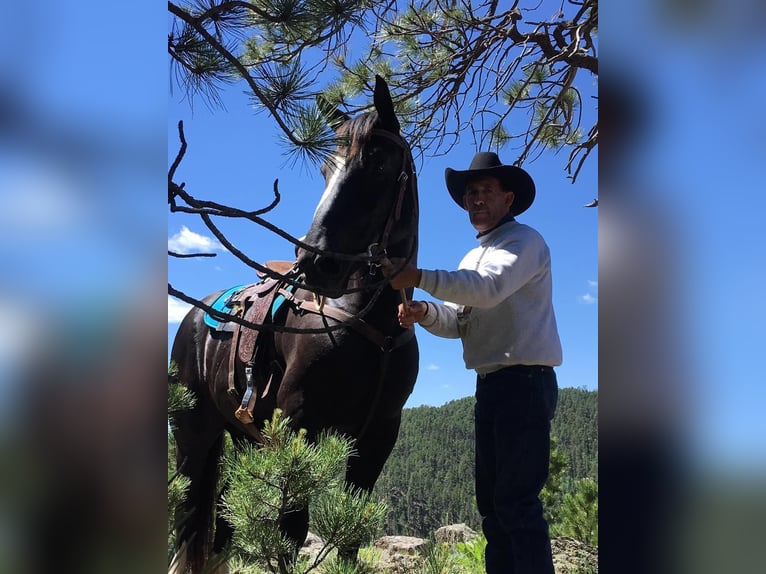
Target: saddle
<point>258,303</point>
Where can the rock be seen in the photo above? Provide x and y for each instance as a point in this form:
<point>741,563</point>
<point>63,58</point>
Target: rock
<point>410,545</point>
<point>571,556</point>
<point>311,547</point>
<point>401,553</point>
<point>455,533</point>
<point>405,554</point>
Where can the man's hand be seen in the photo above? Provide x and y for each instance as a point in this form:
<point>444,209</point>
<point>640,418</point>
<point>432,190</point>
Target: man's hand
<point>416,311</point>
<point>409,276</point>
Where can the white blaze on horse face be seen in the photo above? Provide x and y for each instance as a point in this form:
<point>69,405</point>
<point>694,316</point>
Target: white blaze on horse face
<point>340,164</point>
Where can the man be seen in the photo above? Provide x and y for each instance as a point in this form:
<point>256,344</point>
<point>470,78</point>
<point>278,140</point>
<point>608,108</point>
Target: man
<point>499,304</point>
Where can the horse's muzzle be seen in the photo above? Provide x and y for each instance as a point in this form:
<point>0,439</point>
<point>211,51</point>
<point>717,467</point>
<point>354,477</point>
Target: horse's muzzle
<point>325,275</point>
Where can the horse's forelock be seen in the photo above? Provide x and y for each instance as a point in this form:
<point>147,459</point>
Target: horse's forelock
<point>355,133</point>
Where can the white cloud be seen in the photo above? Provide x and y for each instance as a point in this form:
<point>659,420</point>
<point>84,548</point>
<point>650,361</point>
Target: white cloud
<point>177,310</point>
<point>589,299</point>
<point>591,296</point>
<point>433,367</point>
<point>186,241</point>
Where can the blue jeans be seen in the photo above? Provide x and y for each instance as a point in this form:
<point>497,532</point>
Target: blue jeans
<point>513,412</point>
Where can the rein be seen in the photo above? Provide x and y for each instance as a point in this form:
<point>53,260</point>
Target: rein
<point>386,343</point>
<point>378,251</point>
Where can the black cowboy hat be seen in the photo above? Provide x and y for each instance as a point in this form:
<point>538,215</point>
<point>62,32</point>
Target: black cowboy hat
<point>486,163</point>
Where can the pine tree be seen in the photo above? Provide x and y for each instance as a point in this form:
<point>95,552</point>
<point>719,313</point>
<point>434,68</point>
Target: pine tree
<point>268,482</point>
<point>553,492</point>
<point>579,513</point>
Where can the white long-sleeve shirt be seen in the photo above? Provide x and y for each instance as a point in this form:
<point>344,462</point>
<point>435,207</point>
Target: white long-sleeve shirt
<point>498,302</point>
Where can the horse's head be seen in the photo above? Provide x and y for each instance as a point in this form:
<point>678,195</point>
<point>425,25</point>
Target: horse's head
<point>369,205</point>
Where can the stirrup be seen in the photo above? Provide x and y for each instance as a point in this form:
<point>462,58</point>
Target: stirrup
<point>243,415</point>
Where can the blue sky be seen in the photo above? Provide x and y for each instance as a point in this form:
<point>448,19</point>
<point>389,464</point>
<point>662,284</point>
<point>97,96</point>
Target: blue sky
<point>234,155</point>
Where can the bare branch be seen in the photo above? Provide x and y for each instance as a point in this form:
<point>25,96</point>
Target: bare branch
<point>188,255</point>
<point>179,156</point>
<point>206,209</point>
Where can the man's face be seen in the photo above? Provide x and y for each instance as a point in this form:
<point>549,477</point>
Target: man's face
<point>486,202</point>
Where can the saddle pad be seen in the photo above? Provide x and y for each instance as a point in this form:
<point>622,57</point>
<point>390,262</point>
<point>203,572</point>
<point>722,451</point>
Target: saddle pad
<point>280,299</point>
<point>220,304</point>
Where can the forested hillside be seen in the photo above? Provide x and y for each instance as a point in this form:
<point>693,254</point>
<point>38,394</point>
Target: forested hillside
<point>575,428</point>
<point>428,480</point>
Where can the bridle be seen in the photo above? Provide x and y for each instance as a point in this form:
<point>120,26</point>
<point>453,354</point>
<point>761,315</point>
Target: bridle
<point>377,251</point>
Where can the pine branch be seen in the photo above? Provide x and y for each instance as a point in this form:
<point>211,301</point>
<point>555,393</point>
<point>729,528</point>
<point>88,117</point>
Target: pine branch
<point>196,23</point>
<point>452,60</point>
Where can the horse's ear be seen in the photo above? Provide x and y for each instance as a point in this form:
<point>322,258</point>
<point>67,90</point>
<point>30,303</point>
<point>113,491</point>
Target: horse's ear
<point>331,112</point>
<point>384,105</point>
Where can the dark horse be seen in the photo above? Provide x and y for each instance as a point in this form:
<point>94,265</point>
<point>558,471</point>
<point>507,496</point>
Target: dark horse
<point>353,380</point>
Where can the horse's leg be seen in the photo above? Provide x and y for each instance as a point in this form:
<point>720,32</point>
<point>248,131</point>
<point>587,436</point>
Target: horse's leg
<point>199,444</point>
<point>364,469</point>
<point>224,532</point>
<point>295,525</point>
